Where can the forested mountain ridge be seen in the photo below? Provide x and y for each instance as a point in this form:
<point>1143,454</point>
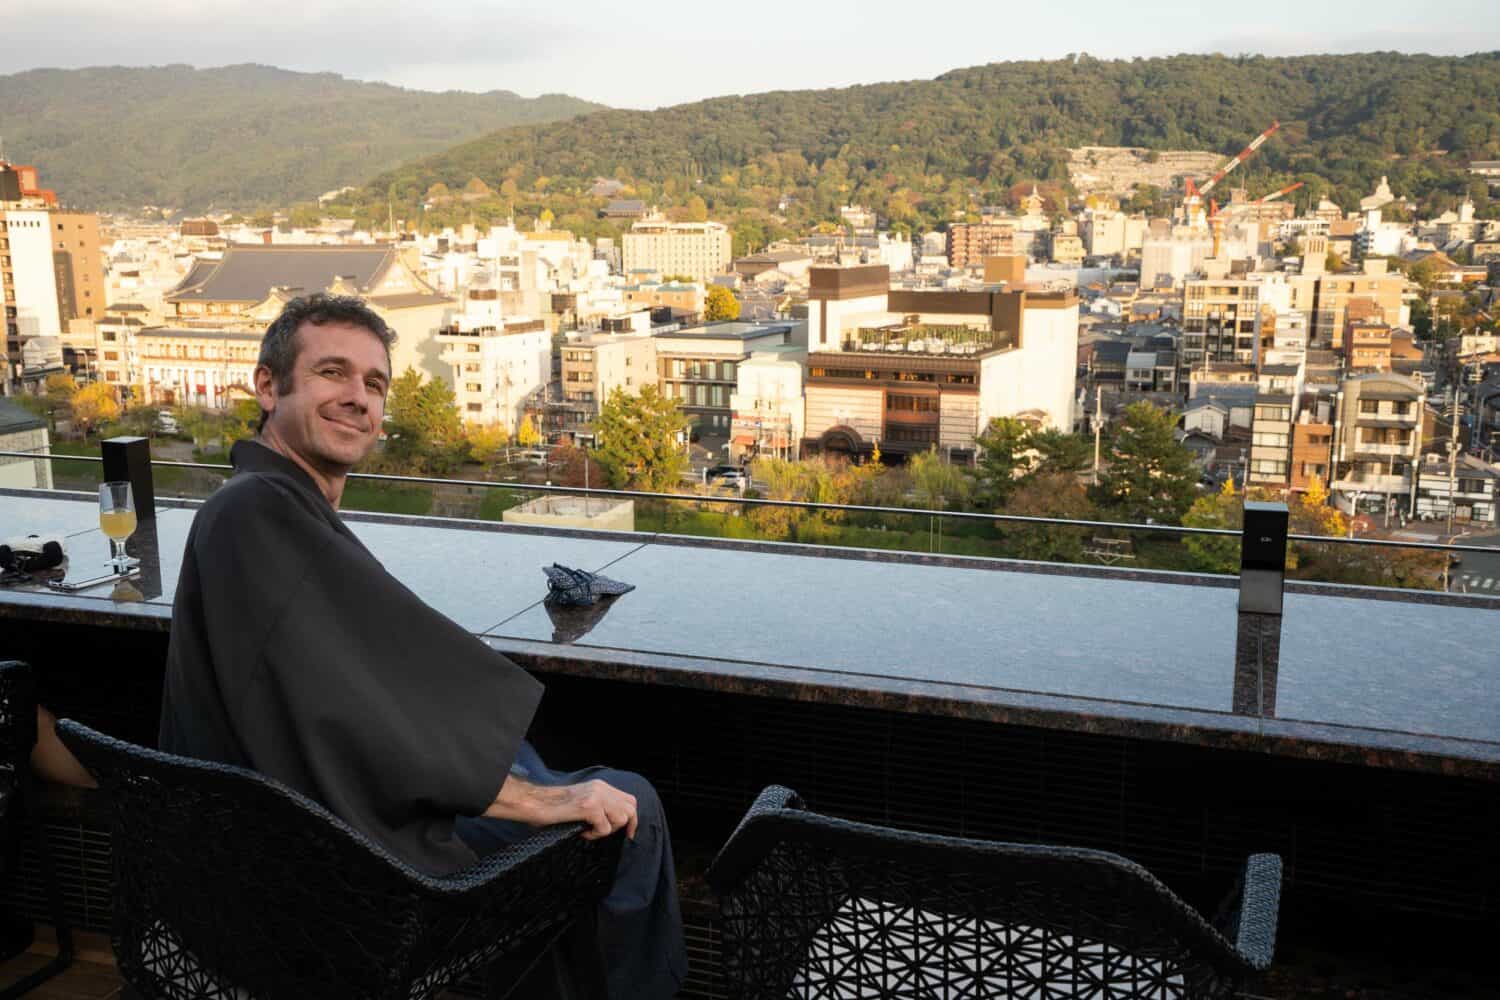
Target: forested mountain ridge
<point>925,152</point>
<point>234,136</point>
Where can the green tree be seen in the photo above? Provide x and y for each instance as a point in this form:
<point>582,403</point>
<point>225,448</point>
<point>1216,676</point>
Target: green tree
<point>639,440</point>
<point>1056,451</point>
<point>425,433</point>
<point>1002,459</point>
<point>720,304</point>
<point>1149,475</point>
<point>1215,553</point>
<point>697,209</point>
<point>938,484</point>
<point>1048,494</point>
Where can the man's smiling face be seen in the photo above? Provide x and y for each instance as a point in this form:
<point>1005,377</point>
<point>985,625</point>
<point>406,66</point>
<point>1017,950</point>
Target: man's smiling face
<point>331,417</point>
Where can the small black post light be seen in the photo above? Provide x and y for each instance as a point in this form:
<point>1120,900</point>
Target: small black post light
<point>128,459</point>
<point>1263,557</point>
<point>1257,644</point>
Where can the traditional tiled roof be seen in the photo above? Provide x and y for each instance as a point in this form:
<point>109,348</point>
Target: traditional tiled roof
<point>408,300</point>
<point>15,418</point>
<point>247,273</point>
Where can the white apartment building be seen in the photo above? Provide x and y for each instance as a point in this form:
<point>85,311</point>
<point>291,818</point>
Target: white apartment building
<point>28,282</point>
<point>1110,233</point>
<point>1169,260</point>
<point>767,407</point>
<point>699,250</point>
<point>497,362</point>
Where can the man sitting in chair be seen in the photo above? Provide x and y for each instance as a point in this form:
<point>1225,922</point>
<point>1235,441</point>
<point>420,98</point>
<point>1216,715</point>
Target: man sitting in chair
<point>296,654</point>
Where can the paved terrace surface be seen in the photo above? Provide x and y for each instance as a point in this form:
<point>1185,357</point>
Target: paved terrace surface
<point>1385,678</point>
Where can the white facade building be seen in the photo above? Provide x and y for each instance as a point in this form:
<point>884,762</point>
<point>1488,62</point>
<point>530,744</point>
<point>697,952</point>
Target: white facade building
<point>767,405</point>
<point>699,250</point>
<point>497,362</point>
<point>28,283</point>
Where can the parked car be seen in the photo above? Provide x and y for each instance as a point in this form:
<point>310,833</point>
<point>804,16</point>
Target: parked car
<point>166,423</point>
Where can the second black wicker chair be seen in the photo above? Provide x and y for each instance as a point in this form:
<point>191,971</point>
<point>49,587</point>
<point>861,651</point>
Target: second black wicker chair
<point>230,885</point>
<point>18,804</point>
<point>814,906</point>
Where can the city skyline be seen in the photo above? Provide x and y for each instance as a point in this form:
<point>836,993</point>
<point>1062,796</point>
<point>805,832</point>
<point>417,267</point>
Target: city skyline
<point>671,54</point>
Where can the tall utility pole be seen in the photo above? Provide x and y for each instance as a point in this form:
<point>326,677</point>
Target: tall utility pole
<point>1098,423</point>
<point>1456,417</point>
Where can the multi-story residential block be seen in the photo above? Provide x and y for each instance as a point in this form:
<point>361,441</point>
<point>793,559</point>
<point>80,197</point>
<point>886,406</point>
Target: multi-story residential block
<point>1378,439</point>
<point>699,367</point>
<point>1334,293</point>
<point>621,356</point>
<point>1312,446</point>
<point>1368,347</point>
<point>1109,233</point>
<point>1277,400</point>
<point>28,281</point>
<point>969,243</point>
<point>698,250</point>
<point>685,300</point>
<point>1467,485</point>
<point>768,404</point>
<point>498,362</point>
<point>115,345</point>
<point>1221,322</point>
<point>913,370</point>
<point>79,265</point>
<point>1067,248</point>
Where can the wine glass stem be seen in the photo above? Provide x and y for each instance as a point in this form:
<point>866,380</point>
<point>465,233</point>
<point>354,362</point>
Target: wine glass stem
<point>119,547</point>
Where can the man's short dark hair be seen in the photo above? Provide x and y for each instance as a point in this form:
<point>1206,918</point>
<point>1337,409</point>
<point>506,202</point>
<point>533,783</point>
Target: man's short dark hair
<point>279,348</point>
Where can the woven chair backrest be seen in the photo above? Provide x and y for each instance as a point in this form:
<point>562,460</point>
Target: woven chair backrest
<point>243,873</point>
<point>1032,897</point>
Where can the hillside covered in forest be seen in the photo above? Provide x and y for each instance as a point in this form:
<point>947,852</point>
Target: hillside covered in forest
<point>235,136</point>
<point>923,153</point>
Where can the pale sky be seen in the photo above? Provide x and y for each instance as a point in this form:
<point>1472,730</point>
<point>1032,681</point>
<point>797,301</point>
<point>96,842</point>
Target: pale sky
<point>652,53</point>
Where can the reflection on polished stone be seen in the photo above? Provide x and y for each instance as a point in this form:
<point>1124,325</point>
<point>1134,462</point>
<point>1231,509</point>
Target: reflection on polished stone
<point>571,622</point>
<point>145,546</point>
<point>126,592</point>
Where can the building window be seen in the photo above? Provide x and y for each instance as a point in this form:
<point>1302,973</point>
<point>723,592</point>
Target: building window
<point>1369,406</point>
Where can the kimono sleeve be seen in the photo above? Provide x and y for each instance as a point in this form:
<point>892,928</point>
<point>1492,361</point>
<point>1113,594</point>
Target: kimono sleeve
<point>397,717</point>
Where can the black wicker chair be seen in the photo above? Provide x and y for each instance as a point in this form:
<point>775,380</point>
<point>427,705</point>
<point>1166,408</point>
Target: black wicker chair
<point>230,885</point>
<point>819,907</point>
<point>18,804</point>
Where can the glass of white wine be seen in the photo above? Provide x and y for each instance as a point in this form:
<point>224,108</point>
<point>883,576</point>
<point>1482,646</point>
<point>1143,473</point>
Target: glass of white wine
<point>117,521</point>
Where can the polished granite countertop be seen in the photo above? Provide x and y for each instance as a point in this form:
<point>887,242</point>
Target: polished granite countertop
<point>1371,677</point>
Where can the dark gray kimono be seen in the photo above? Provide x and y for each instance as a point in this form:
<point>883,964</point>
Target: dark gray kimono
<point>294,653</point>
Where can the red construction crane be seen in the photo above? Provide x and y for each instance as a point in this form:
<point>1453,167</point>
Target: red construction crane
<point>1193,203</point>
<point>1245,154</point>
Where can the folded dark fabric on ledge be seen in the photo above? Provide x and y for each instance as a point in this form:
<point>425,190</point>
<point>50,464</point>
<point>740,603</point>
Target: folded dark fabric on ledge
<point>580,588</point>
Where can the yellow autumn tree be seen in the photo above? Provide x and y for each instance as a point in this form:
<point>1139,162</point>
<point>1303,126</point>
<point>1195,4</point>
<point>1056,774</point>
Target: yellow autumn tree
<point>486,442</point>
<point>527,436</point>
<point>1312,514</point>
<point>93,405</point>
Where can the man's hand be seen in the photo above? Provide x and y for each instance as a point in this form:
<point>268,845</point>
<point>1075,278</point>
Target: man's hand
<point>602,806</point>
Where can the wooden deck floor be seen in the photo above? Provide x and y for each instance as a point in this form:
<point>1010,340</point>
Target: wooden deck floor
<point>92,976</point>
